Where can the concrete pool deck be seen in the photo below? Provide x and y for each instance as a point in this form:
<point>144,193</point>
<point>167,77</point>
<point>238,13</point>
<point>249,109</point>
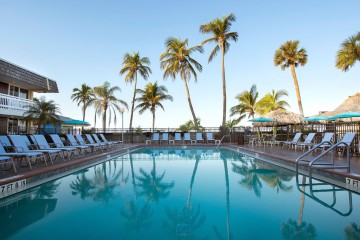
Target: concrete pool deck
<point>42,173</point>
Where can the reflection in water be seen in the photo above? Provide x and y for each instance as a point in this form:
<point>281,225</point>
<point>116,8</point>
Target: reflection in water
<point>293,230</point>
<point>183,224</point>
<point>254,171</point>
<point>82,186</point>
<point>137,218</point>
<point>151,184</point>
<point>27,208</point>
<point>352,232</point>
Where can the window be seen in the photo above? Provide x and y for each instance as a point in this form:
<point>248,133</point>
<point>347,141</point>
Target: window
<point>23,93</point>
<point>14,91</point>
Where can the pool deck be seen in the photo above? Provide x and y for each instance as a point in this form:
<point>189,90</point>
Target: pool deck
<point>287,156</point>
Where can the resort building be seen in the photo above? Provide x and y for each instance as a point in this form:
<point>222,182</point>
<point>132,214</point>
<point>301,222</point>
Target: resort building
<point>17,86</point>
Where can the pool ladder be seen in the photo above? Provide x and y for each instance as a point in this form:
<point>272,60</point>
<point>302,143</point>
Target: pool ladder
<point>222,139</point>
<point>314,163</point>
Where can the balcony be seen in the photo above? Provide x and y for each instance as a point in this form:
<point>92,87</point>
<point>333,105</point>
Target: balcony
<point>13,106</point>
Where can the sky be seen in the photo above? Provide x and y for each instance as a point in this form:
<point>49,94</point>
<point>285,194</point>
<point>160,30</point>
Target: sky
<point>76,42</point>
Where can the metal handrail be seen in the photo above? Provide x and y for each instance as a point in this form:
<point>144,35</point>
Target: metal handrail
<point>221,140</point>
<point>310,151</point>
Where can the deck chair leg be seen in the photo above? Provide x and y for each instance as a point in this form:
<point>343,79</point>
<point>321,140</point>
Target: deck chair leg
<point>29,162</point>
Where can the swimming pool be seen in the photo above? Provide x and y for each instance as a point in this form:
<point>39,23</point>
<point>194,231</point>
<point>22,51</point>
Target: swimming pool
<point>179,194</point>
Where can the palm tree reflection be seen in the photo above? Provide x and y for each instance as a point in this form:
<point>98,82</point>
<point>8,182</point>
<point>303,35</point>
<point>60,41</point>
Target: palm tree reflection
<point>352,232</point>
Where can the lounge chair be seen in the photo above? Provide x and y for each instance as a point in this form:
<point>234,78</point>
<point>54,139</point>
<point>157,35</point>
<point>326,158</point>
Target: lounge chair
<point>58,143</point>
<point>325,142</point>
<point>5,142</point>
<point>97,140</point>
<point>71,139</point>
<point>104,139</point>
<point>178,137</point>
<point>198,137</point>
<point>186,138</point>
<point>4,160</point>
<point>346,141</point>
<point>164,137</point>
<point>307,142</point>
<point>22,147</point>
<point>272,141</point>
<point>94,146</point>
<point>209,137</point>
<point>292,142</point>
<point>91,141</point>
<point>155,138</point>
<point>44,145</point>
<point>30,156</point>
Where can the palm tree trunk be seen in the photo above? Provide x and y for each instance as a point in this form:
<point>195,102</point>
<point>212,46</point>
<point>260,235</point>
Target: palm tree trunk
<point>188,202</point>
<point>104,120</point>
<point>297,90</point>
<point>84,109</point>
<point>302,202</point>
<point>227,198</point>
<point>153,113</point>
<point>133,102</point>
<point>224,85</point>
<point>190,105</point>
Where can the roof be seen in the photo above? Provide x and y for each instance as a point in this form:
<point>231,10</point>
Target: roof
<point>13,74</point>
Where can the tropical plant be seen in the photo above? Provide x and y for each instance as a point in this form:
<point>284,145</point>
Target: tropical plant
<point>349,53</point>
<point>132,65</point>
<point>106,101</point>
<point>272,101</point>
<point>247,104</point>
<point>151,98</point>
<point>189,125</point>
<point>288,55</point>
<point>83,96</point>
<point>231,123</point>
<point>220,29</point>
<point>43,112</point>
<point>177,60</point>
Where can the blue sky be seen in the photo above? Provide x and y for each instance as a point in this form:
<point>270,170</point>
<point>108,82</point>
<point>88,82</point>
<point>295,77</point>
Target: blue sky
<point>75,42</point>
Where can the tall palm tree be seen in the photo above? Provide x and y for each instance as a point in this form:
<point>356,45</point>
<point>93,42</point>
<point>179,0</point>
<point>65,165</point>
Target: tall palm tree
<point>83,96</point>
<point>43,112</point>
<point>177,60</point>
<point>288,55</point>
<point>132,65</point>
<point>247,104</point>
<point>349,53</point>
<point>272,101</point>
<point>105,100</point>
<point>151,98</point>
<point>220,29</point>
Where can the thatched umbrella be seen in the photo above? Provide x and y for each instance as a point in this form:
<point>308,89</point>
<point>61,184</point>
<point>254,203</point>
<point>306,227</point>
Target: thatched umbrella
<point>351,104</point>
<point>282,117</point>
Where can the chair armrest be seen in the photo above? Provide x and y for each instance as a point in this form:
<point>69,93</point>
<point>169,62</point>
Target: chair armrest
<point>19,149</point>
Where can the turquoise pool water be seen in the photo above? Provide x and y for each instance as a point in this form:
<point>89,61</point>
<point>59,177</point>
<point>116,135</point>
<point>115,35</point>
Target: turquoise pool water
<point>180,194</point>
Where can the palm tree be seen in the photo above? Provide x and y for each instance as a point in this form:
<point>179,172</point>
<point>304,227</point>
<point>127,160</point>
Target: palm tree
<point>272,101</point>
<point>151,98</point>
<point>247,104</point>
<point>43,112</point>
<point>352,232</point>
<point>105,100</point>
<point>288,55</point>
<point>132,65</point>
<point>231,123</point>
<point>83,96</point>
<point>177,60</point>
<point>349,53</point>
<point>189,125</point>
<point>220,29</point>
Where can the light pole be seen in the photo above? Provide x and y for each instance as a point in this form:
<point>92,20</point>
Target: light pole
<point>122,110</point>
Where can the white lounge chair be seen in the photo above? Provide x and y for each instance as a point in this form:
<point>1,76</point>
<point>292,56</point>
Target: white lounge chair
<point>164,137</point>
<point>326,141</point>
<point>346,141</point>
<point>105,140</point>
<point>186,138</point>
<point>5,160</point>
<point>57,141</point>
<point>91,141</point>
<point>97,140</point>
<point>294,141</point>
<point>198,137</point>
<point>308,142</point>
<point>94,146</point>
<point>210,137</point>
<point>71,139</point>
<point>21,147</point>
<point>44,145</point>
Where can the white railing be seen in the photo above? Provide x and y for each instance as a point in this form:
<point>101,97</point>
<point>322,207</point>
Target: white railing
<point>14,103</point>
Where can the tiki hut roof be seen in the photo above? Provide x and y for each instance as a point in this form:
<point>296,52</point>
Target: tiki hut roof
<point>351,104</point>
<point>282,117</point>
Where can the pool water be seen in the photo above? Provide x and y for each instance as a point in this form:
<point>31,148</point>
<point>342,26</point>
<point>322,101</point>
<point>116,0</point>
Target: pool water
<point>180,194</point>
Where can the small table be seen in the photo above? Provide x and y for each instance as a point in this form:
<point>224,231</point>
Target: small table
<point>172,141</point>
<point>193,142</point>
<point>148,142</point>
